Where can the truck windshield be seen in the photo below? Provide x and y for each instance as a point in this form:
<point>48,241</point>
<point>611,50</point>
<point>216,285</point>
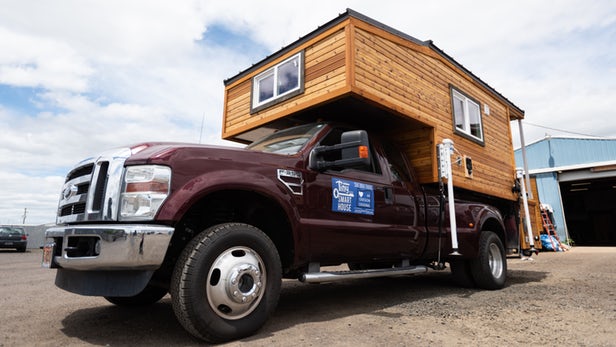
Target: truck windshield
<point>288,141</point>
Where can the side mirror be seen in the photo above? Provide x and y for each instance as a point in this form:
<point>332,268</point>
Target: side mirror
<point>352,152</point>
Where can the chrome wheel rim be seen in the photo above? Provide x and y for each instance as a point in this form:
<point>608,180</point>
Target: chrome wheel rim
<point>495,261</point>
<point>236,283</point>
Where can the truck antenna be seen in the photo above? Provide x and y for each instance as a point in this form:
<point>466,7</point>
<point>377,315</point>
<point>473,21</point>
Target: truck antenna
<point>201,131</point>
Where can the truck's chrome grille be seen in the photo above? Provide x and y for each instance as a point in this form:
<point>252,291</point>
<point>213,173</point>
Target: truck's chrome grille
<point>99,188</point>
<point>91,190</point>
<point>79,172</point>
<point>75,192</point>
<point>73,209</point>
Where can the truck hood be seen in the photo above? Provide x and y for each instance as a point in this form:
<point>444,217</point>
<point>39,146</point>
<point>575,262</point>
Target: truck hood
<point>168,153</point>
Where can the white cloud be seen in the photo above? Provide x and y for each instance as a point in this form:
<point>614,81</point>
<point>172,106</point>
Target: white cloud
<point>27,61</point>
<point>108,73</point>
<point>37,194</point>
<point>114,31</point>
<point>273,23</point>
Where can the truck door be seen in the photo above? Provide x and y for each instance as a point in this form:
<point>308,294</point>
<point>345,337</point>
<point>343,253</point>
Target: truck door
<point>408,197</point>
<point>351,213</point>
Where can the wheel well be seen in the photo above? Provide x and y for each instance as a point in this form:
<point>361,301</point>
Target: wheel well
<point>492,224</point>
<point>231,206</point>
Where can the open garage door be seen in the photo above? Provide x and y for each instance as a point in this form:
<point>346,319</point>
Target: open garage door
<point>590,210</point>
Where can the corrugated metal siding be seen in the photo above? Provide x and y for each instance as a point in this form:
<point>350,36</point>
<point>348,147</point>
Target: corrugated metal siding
<point>549,193</point>
<point>557,152</point>
<point>562,152</point>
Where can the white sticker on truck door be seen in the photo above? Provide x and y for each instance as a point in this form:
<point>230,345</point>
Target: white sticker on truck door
<point>352,197</point>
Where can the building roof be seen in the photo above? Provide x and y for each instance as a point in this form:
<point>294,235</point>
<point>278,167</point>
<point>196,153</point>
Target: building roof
<point>349,13</point>
<point>559,153</point>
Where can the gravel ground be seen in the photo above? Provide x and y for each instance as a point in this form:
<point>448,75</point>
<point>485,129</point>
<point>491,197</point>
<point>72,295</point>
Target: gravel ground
<point>556,299</point>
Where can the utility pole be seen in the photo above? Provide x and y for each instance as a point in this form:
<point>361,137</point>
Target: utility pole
<point>24,216</point>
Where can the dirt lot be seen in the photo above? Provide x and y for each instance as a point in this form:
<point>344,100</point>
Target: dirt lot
<point>557,299</point>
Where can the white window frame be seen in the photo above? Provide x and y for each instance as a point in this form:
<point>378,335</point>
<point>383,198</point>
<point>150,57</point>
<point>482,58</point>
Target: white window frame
<point>257,104</point>
<point>466,116</point>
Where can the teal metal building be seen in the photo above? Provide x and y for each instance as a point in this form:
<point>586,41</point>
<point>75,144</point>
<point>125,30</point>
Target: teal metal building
<point>577,178</point>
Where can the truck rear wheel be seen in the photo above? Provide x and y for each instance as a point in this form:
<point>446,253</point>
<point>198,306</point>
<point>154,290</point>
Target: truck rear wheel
<point>226,282</point>
<point>489,270</point>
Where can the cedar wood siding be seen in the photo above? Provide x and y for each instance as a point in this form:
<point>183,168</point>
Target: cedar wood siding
<point>355,57</point>
<point>324,78</point>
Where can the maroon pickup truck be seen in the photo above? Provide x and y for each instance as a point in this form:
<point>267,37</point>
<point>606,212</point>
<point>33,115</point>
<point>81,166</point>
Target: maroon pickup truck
<point>218,228</point>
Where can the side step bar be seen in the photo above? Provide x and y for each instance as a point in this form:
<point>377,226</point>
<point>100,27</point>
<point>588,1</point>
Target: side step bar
<point>333,276</point>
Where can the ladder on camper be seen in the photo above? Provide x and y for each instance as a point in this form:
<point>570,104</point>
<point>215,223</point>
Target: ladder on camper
<point>549,227</point>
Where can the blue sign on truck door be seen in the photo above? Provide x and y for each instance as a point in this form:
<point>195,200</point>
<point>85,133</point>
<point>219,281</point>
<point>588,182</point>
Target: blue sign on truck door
<point>352,197</point>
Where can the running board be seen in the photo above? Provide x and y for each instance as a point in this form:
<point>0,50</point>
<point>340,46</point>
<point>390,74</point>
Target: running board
<point>333,276</point>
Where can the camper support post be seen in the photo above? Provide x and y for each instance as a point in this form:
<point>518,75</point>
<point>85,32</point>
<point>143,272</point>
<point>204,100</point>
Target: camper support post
<point>529,230</point>
<point>445,152</point>
<point>524,162</point>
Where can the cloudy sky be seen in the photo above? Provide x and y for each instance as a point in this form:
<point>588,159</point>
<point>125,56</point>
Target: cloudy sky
<point>77,77</point>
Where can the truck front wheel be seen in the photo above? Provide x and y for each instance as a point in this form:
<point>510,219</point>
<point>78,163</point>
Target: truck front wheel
<point>489,270</point>
<point>226,282</point>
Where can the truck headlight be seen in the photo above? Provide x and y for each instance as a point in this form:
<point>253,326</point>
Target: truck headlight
<point>145,189</point>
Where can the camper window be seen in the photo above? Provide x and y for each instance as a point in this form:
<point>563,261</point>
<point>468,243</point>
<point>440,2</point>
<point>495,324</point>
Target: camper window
<point>278,83</point>
<point>466,115</point>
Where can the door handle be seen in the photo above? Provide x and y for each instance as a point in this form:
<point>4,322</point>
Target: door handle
<point>388,192</point>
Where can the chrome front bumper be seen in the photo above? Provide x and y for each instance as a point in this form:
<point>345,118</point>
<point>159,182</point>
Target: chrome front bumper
<point>108,247</point>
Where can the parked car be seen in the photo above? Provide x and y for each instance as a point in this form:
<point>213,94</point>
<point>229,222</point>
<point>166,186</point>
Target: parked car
<point>11,237</point>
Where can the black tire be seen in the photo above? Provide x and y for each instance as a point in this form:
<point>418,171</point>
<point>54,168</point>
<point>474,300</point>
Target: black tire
<point>22,250</point>
<point>461,273</point>
<point>148,296</point>
<point>489,270</point>
<point>226,282</point>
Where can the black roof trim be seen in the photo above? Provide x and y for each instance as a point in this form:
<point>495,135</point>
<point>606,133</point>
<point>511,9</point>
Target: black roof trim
<point>351,13</point>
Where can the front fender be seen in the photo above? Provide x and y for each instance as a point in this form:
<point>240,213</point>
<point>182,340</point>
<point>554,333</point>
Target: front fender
<point>194,190</point>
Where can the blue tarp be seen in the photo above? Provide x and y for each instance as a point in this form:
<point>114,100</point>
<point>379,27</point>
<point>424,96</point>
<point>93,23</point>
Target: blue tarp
<point>547,244</point>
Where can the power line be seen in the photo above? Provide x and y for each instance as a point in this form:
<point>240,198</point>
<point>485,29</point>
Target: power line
<point>561,130</point>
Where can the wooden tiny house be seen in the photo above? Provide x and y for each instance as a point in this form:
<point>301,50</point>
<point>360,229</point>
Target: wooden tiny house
<point>360,71</point>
